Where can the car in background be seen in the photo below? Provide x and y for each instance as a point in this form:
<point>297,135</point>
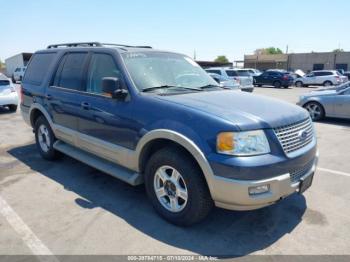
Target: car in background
<point>276,78</point>
<point>321,77</point>
<point>251,71</point>
<point>18,74</point>
<point>226,82</point>
<point>347,74</point>
<point>330,102</point>
<point>244,78</point>
<point>8,94</point>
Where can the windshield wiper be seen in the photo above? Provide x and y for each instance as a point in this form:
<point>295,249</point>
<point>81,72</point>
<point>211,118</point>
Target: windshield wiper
<point>168,86</point>
<point>209,86</point>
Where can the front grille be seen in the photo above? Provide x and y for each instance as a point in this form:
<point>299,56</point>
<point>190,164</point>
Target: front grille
<point>299,173</point>
<point>295,136</point>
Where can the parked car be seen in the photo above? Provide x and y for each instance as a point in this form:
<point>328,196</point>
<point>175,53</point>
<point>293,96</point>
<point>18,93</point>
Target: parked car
<point>347,74</point>
<point>156,117</point>
<point>8,94</point>
<point>253,71</point>
<point>276,78</point>
<point>18,74</point>
<point>244,78</point>
<point>226,82</point>
<point>331,102</point>
<point>321,77</point>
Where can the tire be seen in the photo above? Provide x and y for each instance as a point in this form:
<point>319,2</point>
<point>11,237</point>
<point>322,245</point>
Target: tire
<point>299,84</point>
<point>277,84</point>
<point>327,83</point>
<point>315,110</point>
<point>12,108</point>
<point>285,86</point>
<point>170,162</point>
<point>45,139</point>
<point>259,85</point>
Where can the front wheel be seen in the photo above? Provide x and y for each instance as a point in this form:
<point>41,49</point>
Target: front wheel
<point>176,187</point>
<point>299,84</point>
<point>315,110</point>
<point>45,139</point>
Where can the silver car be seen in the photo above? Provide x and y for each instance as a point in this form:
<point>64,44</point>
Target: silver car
<point>226,82</point>
<point>330,102</point>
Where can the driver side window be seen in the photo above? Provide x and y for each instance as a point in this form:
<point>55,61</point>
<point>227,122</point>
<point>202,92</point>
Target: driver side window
<point>101,65</point>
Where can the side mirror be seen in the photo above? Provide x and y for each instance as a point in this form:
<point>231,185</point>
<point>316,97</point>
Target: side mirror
<point>113,86</point>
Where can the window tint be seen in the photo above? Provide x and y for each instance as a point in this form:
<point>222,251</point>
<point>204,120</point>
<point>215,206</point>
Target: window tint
<point>71,71</point>
<point>243,73</point>
<point>214,71</point>
<point>38,67</point>
<point>231,73</point>
<point>101,65</point>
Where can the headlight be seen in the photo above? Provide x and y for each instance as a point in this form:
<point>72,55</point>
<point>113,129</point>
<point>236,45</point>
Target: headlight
<point>242,143</point>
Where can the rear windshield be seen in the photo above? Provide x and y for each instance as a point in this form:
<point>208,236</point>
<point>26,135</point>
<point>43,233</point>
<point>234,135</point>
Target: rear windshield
<point>4,82</point>
<point>38,67</point>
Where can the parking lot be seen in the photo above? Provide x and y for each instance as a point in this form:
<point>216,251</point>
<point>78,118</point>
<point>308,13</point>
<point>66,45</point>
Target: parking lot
<point>66,207</point>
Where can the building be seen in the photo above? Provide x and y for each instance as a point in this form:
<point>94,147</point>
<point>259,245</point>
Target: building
<point>15,61</point>
<point>304,61</point>
<point>207,64</point>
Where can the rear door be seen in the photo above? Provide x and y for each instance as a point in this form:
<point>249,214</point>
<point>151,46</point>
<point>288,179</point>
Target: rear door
<point>63,96</point>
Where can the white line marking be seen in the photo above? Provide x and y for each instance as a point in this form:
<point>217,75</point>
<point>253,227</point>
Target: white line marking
<point>333,171</point>
<point>28,237</point>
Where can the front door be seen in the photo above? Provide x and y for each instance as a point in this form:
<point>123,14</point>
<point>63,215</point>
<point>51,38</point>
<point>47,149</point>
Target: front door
<point>106,120</point>
<point>342,104</point>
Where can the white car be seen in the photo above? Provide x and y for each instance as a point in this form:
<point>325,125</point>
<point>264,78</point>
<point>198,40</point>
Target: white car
<point>8,94</point>
<point>321,77</point>
<point>244,78</point>
<point>18,74</point>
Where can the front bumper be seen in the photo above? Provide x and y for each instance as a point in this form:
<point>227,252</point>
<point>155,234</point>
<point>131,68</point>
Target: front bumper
<point>234,194</point>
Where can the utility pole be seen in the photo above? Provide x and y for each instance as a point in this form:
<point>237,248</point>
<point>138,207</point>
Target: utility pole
<point>287,49</point>
<point>194,54</point>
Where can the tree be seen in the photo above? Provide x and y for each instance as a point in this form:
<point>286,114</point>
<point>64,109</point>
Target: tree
<point>268,51</point>
<point>2,65</point>
<point>338,50</point>
<point>221,59</point>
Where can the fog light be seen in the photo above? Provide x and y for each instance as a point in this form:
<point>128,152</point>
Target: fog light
<point>256,190</point>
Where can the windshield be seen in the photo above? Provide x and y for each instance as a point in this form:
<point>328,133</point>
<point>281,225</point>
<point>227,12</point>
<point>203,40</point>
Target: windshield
<point>161,69</point>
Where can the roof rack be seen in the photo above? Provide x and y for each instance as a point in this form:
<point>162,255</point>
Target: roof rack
<point>92,44</point>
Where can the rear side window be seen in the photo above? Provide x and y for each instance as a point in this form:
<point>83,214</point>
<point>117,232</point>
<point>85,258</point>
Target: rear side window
<point>243,72</point>
<point>4,82</point>
<point>231,73</point>
<point>37,68</point>
<point>70,73</point>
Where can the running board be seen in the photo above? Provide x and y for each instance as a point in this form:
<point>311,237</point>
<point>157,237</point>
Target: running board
<point>101,164</point>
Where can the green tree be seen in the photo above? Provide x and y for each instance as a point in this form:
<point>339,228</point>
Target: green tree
<point>268,51</point>
<point>338,50</point>
<point>221,59</point>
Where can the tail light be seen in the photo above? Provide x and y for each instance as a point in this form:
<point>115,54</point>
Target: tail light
<point>21,94</point>
<point>285,77</point>
<point>337,78</point>
<point>237,80</point>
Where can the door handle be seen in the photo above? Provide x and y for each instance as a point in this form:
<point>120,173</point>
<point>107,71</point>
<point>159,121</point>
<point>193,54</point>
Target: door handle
<point>48,97</point>
<point>85,105</point>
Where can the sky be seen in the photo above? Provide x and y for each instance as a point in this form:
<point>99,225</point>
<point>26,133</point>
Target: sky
<point>210,28</point>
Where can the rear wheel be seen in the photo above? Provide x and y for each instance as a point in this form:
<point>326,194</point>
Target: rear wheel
<point>277,84</point>
<point>327,83</point>
<point>12,108</point>
<point>315,110</point>
<point>45,139</point>
<point>176,187</point>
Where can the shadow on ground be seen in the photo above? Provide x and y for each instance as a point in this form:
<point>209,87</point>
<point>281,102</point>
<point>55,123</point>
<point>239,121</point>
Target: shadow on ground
<point>336,121</point>
<point>223,233</point>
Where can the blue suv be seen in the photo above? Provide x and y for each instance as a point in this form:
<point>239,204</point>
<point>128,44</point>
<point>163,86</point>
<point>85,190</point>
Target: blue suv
<point>156,117</point>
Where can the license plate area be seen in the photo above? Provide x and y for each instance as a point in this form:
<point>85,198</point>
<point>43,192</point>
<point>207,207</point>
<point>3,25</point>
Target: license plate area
<point>305,183</point>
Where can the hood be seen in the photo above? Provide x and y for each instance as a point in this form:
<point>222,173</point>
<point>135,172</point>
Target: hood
<point>325,92</point>
<point>246,111</point>
<point>299,72</point>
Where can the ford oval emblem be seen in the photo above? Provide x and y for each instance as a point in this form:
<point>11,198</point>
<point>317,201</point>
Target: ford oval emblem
<point>302,135</point>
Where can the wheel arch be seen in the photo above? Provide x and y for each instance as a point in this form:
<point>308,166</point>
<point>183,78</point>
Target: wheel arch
<point>160,138</point>
<point>37,110</point>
